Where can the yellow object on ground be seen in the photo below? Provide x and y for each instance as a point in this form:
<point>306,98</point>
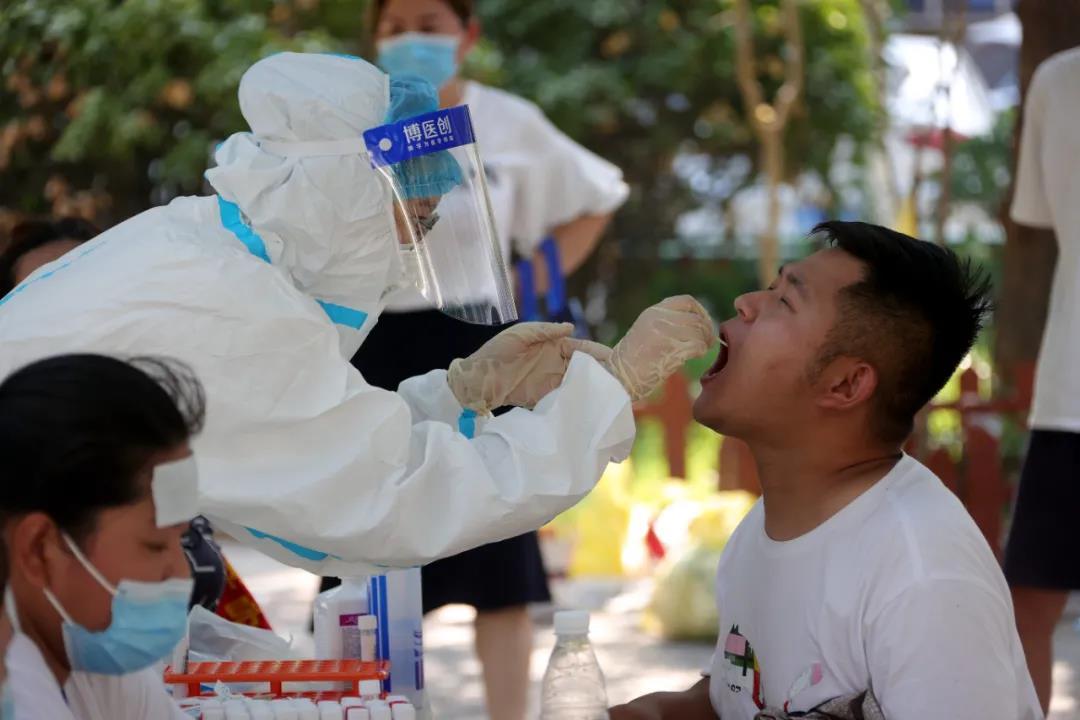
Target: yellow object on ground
<point>600,524</point>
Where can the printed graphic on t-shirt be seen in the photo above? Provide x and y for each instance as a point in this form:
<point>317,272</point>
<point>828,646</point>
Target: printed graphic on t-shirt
<point>741,670</point>
<point>807,679</point>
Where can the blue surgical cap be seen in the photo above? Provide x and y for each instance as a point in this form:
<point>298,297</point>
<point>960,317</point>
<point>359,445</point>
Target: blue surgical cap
<point>428,175</point>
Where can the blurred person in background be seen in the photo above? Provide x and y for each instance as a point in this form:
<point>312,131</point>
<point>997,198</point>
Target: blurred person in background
<point>542,185</point>
<point>100,486</point>
<point>35,243</point>
<point>1042,556</point>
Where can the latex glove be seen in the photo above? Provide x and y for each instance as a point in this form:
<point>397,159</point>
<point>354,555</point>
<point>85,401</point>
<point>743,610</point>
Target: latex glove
<point>663,337</point>
<point>518,366</point>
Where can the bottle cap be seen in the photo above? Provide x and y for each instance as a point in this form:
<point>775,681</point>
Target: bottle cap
<point>284,709</point>
<point>306,709</point>
<point>329,710</point>
<point>403,711</point>
<point>572,622</point>
<point>379,710</point>
<point>370,688</point>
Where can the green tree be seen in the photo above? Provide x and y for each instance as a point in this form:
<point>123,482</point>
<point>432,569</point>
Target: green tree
<point>641,81</point>
<point>108,108</point>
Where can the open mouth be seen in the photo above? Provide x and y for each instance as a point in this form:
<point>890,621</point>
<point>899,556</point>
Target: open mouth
<point>721,359</point>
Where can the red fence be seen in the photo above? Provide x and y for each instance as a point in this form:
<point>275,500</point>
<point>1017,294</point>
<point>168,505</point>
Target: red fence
<point>977,477</point>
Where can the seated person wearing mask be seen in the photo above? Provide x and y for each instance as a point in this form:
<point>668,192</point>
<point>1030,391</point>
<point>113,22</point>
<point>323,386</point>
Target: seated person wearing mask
<point>858,570</point>
<point>100,486</point>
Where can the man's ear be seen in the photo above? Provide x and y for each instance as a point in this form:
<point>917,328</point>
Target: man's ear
<point>33,543</point>
<point>846,383</point>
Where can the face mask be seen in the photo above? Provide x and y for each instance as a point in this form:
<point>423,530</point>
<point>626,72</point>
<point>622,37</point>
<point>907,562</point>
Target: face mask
<point>148,620</point>
<point>431,57</point>
<point>7,703</point>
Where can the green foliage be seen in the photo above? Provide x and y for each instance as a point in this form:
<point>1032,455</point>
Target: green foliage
<point>641,80</point>
<point>107,108</point>
<point>120,103</point>
<point>982,167</point>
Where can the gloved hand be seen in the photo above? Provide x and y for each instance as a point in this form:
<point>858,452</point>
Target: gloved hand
<point>663,337</point>
<point>518,366</point>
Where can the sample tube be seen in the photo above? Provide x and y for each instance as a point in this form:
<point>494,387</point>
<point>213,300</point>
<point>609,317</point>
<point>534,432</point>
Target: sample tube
<point>330,710</point>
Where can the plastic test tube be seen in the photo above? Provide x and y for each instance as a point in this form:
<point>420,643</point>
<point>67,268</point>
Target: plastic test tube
<point>379,710</point>
<point>368,627</point>
<point>306,709</point>
<point>357,712</point>
<point>235,710</point>
<point>260,710</point>
<point>284,710</point>
<point>370,689</point>
<point>213,710</point>
<point>401,708</point>
<point>330,710</point>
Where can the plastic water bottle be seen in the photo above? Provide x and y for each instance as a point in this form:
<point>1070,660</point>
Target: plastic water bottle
<point>573,686</point>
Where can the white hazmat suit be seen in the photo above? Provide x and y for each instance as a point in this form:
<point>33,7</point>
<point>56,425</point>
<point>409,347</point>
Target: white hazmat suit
<point>300,457</point>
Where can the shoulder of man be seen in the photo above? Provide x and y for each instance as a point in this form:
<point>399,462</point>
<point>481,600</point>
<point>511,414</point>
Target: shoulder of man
<point>923,532</point>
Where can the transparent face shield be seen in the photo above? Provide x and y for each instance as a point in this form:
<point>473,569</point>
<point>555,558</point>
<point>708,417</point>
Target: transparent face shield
<point>442,214</point>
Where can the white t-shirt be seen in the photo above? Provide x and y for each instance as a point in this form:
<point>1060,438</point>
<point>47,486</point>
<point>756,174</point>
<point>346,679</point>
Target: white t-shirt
<point>1048,196</point>
<point>897,593</point>
<point>37,695</point>
<point>537,177</point>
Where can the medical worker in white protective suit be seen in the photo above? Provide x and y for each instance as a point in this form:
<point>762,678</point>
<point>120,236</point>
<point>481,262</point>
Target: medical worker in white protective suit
<point>268,288</point>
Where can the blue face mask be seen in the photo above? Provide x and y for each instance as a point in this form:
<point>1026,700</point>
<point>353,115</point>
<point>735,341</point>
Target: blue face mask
<point>431,57</point>
<point>7,703</point>
<point>148,620</point>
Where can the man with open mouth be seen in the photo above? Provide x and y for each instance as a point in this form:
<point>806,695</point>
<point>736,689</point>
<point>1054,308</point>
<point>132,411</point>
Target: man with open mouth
<point>858,574</point>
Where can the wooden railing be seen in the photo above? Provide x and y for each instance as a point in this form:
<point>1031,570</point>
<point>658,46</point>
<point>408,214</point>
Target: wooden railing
<point>977,477</point>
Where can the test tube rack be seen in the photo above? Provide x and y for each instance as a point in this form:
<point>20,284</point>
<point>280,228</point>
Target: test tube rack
<point>200,677</point>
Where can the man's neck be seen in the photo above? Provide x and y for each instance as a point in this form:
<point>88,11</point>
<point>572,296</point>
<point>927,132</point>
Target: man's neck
<point>802,487</point>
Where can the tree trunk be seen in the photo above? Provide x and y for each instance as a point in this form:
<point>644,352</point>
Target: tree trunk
<point>772,153</point>
<point>1050,26</point>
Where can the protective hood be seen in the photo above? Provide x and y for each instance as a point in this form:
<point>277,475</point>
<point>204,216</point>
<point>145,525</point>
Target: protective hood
<point>325,220</point>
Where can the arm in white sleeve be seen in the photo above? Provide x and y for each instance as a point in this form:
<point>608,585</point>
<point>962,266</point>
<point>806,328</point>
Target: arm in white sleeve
<point>363,485</point>
<point>429,398</point>
<point>1030,204</point>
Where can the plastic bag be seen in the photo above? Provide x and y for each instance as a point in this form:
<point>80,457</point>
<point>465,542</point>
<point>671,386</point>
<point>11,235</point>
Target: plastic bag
<point>683,604</point>
<point>595,528</point>
<point>215,638</point>
<point>719,516</point>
